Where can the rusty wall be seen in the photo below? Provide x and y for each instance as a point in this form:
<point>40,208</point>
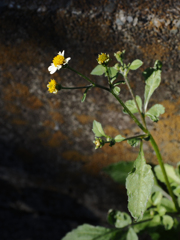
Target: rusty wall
<point>46,139</point>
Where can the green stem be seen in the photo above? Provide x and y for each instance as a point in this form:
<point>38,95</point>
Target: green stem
<point>132,94</point>
<point>89,80</point>
<point>130,114</point>
<point>107,72</point>
<point>76,87</point>
<point>159,157</point>
<point>141,136</point>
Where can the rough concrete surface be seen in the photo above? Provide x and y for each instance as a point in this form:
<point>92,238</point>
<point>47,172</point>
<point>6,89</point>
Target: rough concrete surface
<point>50,173</point>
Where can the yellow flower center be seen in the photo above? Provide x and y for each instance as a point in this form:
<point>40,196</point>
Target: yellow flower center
<point>102,58</point>
<point>97,143</point>
<point>52,86</point>
<point>58,60</point>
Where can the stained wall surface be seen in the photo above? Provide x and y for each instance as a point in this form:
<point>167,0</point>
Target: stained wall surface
<point>46,140</point>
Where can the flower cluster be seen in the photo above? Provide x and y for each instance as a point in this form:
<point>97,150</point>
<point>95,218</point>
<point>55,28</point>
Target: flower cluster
<point>103,58</point>
<point>99,143</point>
<point>58,62</point>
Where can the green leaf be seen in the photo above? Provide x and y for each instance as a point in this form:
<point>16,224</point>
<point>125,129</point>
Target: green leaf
<point>119,171</point>
<point>119,138</point>
<point>116,90</point>
<point>156,198</point>
<point>130,104</point>
<point>155,112</point>
<point>113,73</point>
<point>152,80</point>
<point>139,185</point>
<point>119,219</point>
<point>131,235</point>
<point>168,205</point>
<point>155,221</point>
<point>177,191</point>
<point>98,70</point>
<point>167,222</point>
<point>170,173</point>
<point>136,64</point>
<point>133,142</point>
<point>98,130</point>
<point>89,232</point>
<point>161,210</point>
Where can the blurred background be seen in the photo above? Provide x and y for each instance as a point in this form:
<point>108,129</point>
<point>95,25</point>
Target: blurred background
<point>51,176</point>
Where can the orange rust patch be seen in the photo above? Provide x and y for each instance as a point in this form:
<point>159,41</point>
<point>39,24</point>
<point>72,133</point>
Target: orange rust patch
<point>150,51</point>
<point>111,131</point>
<point>18,121</point>
<point>167,132</point>
<point>48,123</point>
<point>84,119</point>
<point>126,132</point>
<point>20,92</point>
<point>74,156</point>
<point>78,132</point>
<point>56,139</point>
<point>57,117</point>
<point>23,53</point>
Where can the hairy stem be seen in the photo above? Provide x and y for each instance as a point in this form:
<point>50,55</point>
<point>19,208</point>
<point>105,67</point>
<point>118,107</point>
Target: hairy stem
<point>76,87</point>
<point>159,157</point>
<point>130,113</point>
<point>132,94</point>
<point>89,80</point>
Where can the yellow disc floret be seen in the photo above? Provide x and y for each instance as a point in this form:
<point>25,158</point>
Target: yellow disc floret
<point>58,60</point>
<point>52,86</point>
<point>103,58</point>
<point>97,143</point>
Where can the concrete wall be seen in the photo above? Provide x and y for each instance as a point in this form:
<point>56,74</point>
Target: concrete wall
<point>46,139</point>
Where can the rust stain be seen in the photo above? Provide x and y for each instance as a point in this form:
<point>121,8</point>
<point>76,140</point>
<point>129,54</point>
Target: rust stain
<point>56,139</point>
<point>74,156</point>
<point>18,121</point>
<point>57,117</point>
<point>18,92</point>
<point>84,119</point>
<point>78,132</point>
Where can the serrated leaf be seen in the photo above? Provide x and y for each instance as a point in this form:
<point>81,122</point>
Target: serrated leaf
<point>119,171</point>
<point>167,222</point>
<point>152,80</point>
<point>155,111</point>
<point>170,173</point>
<point>139,185</point>
<point>133,142</point>
<point>98,130</point>
<point>136,64</point>
<point>98,70</point>
<point>130,104</point>
<point>89,232</point>
<point>119,219</point>
<point>116,90</point>
<point>119,138</point>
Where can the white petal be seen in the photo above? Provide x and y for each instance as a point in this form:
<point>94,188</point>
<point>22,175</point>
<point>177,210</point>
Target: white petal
<point>62,53</point>
<point>55,91</point>
<point>52,69</point>
<point>59,67</point>
<point>67,60</point>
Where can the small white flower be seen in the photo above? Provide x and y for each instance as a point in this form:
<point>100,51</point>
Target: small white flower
<point>58,62</point>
